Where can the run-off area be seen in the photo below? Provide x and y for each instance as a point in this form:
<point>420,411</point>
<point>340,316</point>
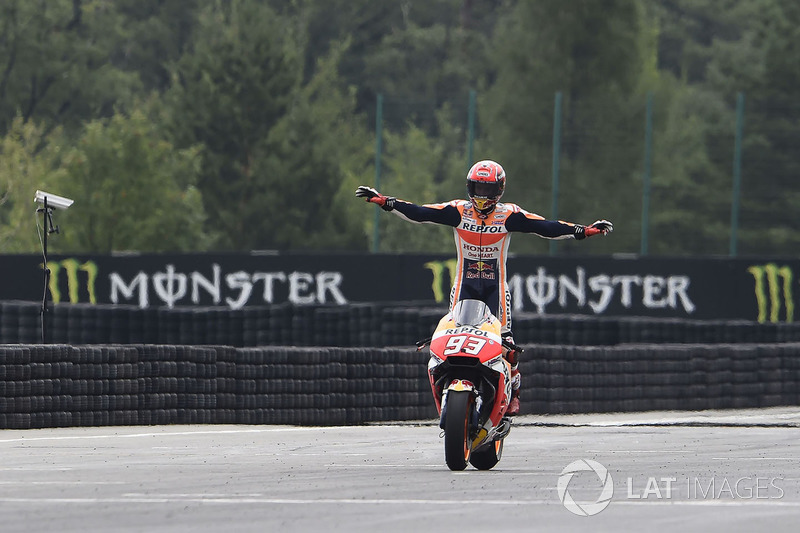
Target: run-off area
<point>725,471</point>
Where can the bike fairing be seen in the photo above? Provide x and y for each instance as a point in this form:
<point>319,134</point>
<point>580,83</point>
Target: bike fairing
<point>471,384</point>
<point>482,243</point>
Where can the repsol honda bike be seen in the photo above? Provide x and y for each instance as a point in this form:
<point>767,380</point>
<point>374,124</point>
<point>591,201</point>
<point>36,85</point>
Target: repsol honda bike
<point>471,384</point>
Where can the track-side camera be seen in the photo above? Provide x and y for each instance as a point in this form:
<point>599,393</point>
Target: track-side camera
<point>53,200</point>
<point>49,203</point>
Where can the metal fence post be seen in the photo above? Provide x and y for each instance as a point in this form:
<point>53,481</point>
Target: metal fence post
<point>556,161</point>
<point>648,163</point>
<point>376,236</point>
<point>737,172</point>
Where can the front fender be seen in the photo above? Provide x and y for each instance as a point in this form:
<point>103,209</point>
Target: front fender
<point>457,385</point>
<point>460,385</point>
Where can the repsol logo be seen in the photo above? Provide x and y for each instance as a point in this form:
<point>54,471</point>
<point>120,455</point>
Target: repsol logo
<point>482,228</point>
<point>81,278</point>
<point>773,288</point>
<point>466,329</point>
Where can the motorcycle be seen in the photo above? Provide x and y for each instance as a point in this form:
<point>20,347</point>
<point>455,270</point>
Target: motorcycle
<point>471,384</point>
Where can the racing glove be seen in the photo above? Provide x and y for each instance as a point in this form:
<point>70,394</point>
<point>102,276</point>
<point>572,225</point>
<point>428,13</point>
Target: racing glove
<point>600,226</point>
<point>373,196</point>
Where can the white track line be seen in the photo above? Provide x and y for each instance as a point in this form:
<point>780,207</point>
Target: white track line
<point>164,434</point>
<point>756,458</point>
<point>63,483</point>
<point>637,451</point>
<point>135,499</point>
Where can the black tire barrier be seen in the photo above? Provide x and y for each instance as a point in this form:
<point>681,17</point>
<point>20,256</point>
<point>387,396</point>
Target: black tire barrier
<point>60,385</point>
<point>563,379</point>
<point>143,384</point>
<point>352,325</point>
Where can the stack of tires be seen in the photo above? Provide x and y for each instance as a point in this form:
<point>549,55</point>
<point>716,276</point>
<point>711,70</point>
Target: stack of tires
<point>177,384</point>
<point>329,386</point>
<point>90,385</point>
<point>356,325</point>
<point>15,387</point>
<point>19,322</point>
<point>580,379</point>
<point>104,387</point>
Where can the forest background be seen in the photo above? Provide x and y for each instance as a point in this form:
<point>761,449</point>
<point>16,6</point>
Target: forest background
<point>235,125</point>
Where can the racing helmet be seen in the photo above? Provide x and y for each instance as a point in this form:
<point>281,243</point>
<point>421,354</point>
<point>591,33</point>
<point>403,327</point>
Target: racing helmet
<point>486,181</point>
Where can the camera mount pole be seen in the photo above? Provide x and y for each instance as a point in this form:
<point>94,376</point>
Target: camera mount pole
<point>47,218</point>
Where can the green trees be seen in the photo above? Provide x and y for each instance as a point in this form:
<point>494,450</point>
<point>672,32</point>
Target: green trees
<point>136,190</point>
<point>419,169</point>
<point>708,55</point>
<point>771,166</point>
<point>253,120</point>
<point>55,64</point>
<point>228,91</point>
<point>595,54</point>
<point>276,148</point>
<point>133,189</point>
<point>29,161</point>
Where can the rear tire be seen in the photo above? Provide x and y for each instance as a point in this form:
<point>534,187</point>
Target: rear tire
<point>489,456</point>
<point>457,443</point>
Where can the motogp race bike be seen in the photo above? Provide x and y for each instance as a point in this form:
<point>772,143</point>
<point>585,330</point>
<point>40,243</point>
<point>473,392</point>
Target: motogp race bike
<point>471,384</point>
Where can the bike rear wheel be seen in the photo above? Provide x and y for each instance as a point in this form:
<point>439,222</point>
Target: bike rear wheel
<point>457,442</point>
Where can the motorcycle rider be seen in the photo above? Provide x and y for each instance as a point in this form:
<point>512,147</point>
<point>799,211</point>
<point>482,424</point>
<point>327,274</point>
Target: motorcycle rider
<point>482,227</point>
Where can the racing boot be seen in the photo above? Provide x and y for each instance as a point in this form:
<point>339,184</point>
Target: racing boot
<point>513,405</point>
<point>512,356</point>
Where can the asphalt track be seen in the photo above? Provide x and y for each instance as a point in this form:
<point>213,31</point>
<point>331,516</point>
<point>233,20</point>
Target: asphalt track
<point>712,471</point>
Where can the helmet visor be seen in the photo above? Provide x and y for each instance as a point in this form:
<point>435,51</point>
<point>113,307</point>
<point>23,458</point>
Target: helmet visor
<point>483,189</point>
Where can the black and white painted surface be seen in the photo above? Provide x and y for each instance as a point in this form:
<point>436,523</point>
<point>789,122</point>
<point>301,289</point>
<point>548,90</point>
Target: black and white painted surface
<point>711,471</point>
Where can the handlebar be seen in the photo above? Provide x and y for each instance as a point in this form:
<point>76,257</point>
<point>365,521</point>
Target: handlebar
<point>506,344</point>
<point>512,346</point>
<point>421,344</point>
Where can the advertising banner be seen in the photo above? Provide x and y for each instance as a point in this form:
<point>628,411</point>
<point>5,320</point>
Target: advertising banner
<point>710,288</point>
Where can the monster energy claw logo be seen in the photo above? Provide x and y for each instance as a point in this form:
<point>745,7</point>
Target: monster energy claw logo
<point>779,287</point>
<point>437,268</point>
<point>72,267</point>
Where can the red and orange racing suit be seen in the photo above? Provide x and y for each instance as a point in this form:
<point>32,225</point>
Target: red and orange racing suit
<point>482,246</point>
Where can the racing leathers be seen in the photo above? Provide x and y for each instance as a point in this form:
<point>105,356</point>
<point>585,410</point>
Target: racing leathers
<point>482,246</point>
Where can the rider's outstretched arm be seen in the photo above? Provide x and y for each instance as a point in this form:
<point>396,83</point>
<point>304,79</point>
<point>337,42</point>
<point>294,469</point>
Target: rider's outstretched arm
<point>446,214</point>
<point>526,222</point>
<point>433,213</point>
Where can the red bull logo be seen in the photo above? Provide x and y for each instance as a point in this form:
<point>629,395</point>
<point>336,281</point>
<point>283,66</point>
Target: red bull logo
<point>480,269</point>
